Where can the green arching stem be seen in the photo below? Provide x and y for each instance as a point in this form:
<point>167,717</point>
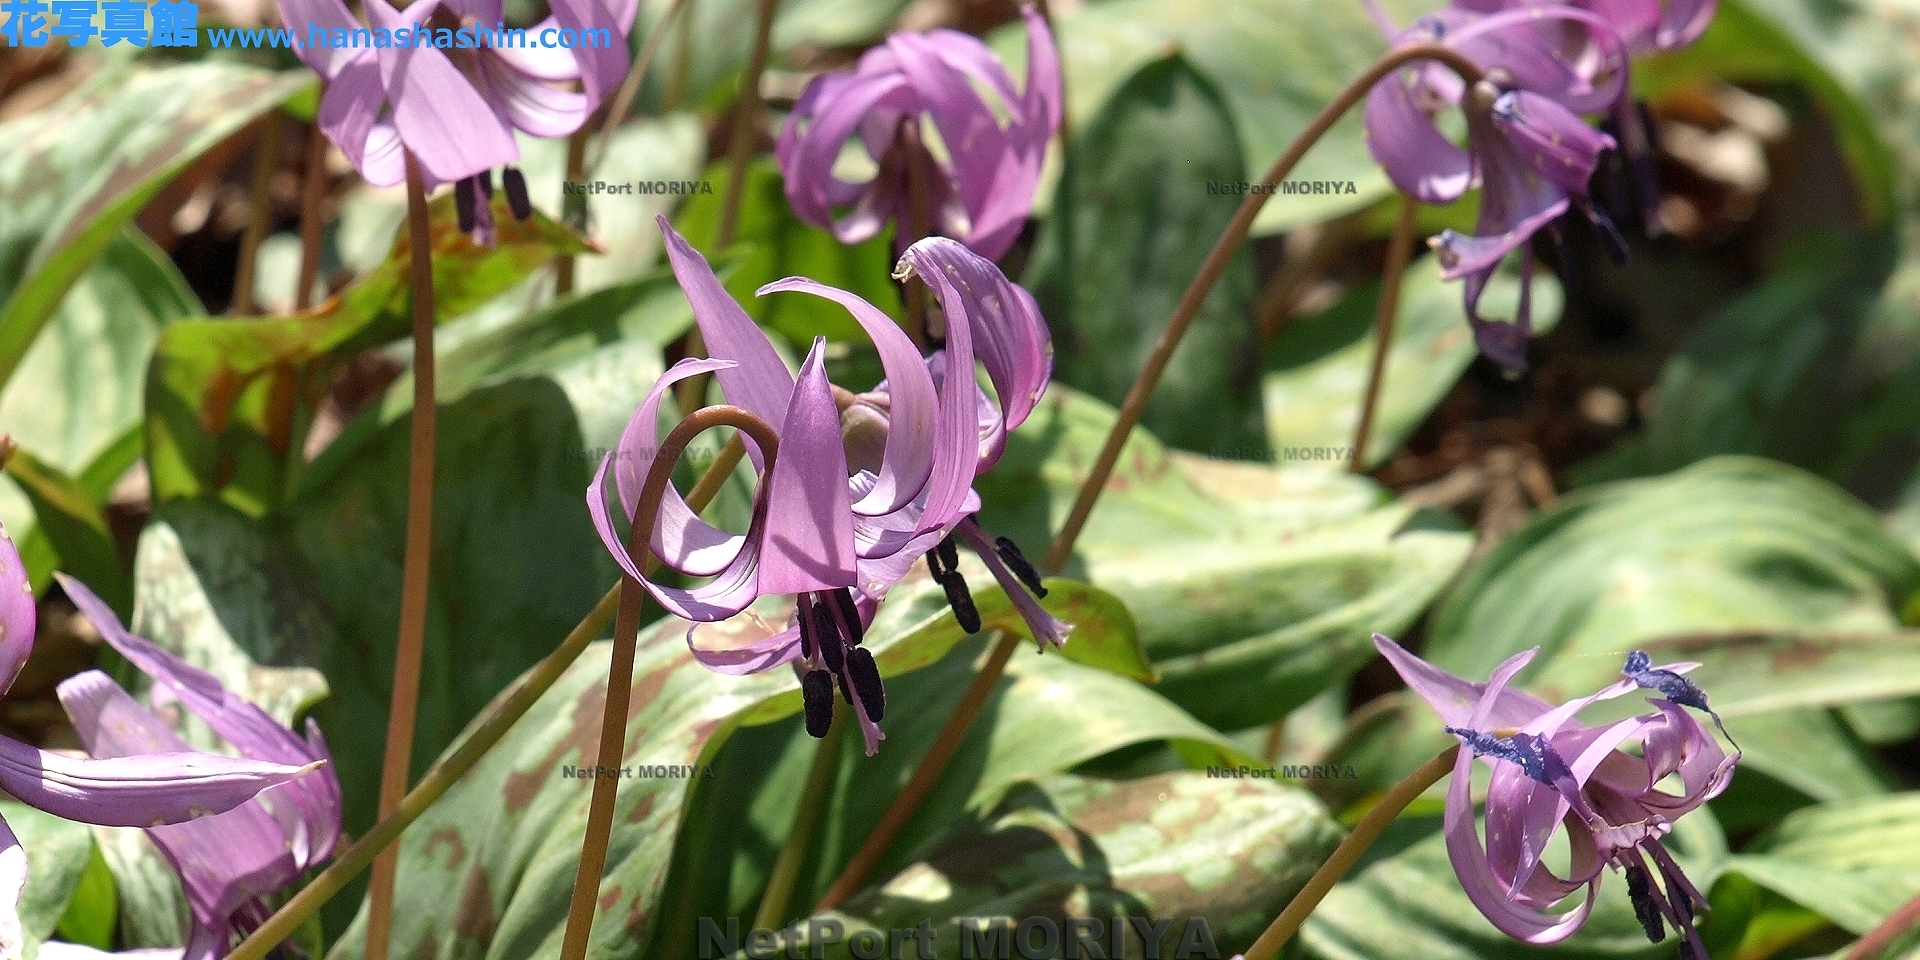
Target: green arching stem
<point>1349,852</point>
<point>500,716</point>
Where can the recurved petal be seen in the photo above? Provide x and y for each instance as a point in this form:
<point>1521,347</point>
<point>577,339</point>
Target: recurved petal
<point>601,67</point>
<point>1473,868</point>
<point>135,791</point>
<point>1676,742</point>
<point>350,114</point>
<point>681,539</point>
<point>326,15</point>
<point>755,657</point>
<point>1458,701</point>
<point>809,532</point>
<point>531,104</point>
<point>911,412</point>
<point>19,612</point>
<point>759,381</point>
<point>941,264</point>
<point>1418,158</point>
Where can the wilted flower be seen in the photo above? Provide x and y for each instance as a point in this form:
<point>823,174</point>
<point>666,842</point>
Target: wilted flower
<point>162,788</point>
<point>862,486</point>
<point>230,864</point>
<point>980,191</point>
<point>1528,147</point>
<point>456,110</point>
<point>1550,770</point>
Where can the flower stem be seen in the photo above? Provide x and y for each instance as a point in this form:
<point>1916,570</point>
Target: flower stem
<point>806,817</point>
<point>1399,253</point>
<point>746,126</point>
<point>1135,404</point>
<point>500,716</point>
<point>630,87</point>
<point>626,631</point>
<point>924,776</point>
<point>313,188</point>
<point>919,225</point>
<point>1348,853</point>
<point>1897,924</point>
<point>415,566</point>
<point>259,213</point>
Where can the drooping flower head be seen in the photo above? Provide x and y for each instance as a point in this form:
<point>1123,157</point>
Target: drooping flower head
<point>453,83</point>
<point>1527,146</point>
<point>862,485</point>
<point>1551,771</point>
<point>174,786</point>
<point>230,864</point>
<point>980,185</point>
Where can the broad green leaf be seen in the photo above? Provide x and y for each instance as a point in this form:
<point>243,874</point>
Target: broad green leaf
<point>216,593</point>
<point>92,913</point>
<point>1317,367</point>
<point>76,172</point>
<point>1851,862</point>
<point>1255,587</point>
<point>1132,223</point>
<point>58,855</point>
<point>487,871</point>
<point>72,525</point>
<point>76,396</point>
<point>1783,586</point>
<point>776,244</point>
<point>1277,63</point>
<point>229,401</point>
<point>1221,856</point>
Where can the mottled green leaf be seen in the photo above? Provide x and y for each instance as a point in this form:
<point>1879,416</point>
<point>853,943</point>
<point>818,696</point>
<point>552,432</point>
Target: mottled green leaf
<point>487,871</point>
<point>1255,587</point>
<point>1223,855</point>
<point>214,591</point>
<point>1850,861</point>
<point>78,170</point>
<point>1137,212</point>
<point>1317,367</point>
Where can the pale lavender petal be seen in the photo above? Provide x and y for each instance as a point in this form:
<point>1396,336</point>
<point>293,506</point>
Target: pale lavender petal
<point>1550,139</point>
<point>135,791</point>
<point>1557,51</point>
<point>809,534</point>
<point>326,15</point>
<point>601,68</point>
<point>755,657</point>
<point>533,105</point>
<point>19,612</point>
<point>349,115</point>
<point>913,403</point>
<point>1047,630</point>
<point>452,131</point>
<point>759,382</point>
<point>1684,22</point>
<point>939,263</point>
<point>1456,700</point>
<point>1418,158</point>
<point>680,538</point>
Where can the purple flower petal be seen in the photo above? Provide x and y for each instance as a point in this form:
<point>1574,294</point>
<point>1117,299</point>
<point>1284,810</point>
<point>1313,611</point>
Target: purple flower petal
<point>910,421</point>
<point>19,612</point>
<point>1458,701</point>
<point>759,381</point>
<point>453,131</point>
<point>809,541</point>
